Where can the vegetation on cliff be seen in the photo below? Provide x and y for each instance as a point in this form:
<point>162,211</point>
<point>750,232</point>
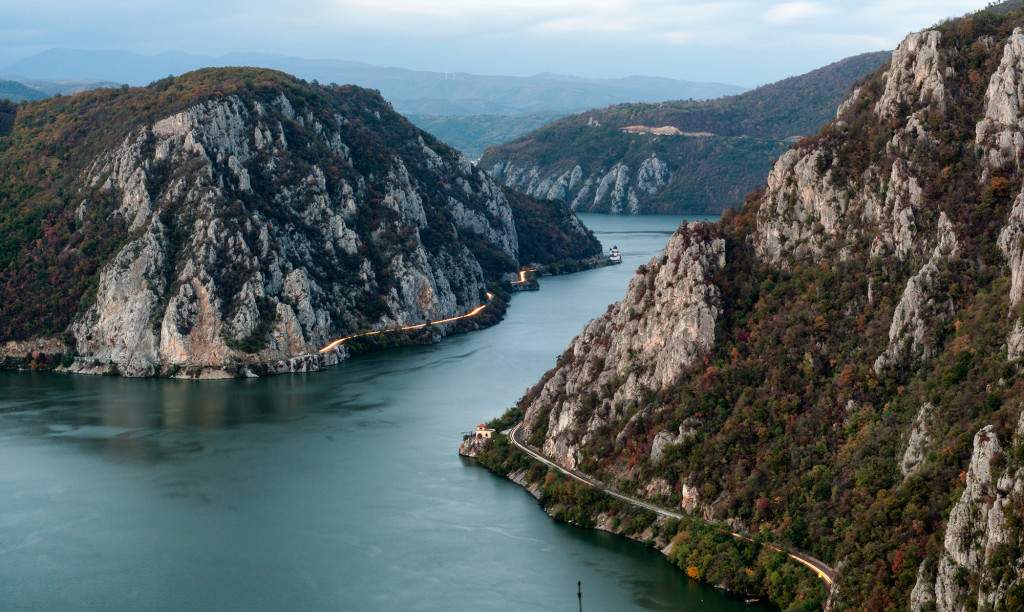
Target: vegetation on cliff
<point>861,400</point>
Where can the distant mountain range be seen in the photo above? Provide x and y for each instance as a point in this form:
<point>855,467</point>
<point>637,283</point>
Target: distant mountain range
<point>409,91</point>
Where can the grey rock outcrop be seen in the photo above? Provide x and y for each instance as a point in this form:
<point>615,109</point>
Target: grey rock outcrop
<point>1000,132</point>
<point>664,439</point>
<point>922,301</point>
<point>616,189</point>
<point>665,322</point>
<point>801,208</point>
<point>1000,138</point>
<point>915,76</point>
<point>806,213</point>
<point>918,440</point>
<point>976,529</point>
<point>244,252</point>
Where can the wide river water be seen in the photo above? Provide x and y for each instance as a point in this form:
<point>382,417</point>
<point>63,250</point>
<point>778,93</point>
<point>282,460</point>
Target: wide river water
<point>338,490</point>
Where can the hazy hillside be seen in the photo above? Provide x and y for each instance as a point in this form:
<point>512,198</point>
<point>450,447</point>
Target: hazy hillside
<point>705,158</point>
<point>472,134</point>
<point>18,92</point>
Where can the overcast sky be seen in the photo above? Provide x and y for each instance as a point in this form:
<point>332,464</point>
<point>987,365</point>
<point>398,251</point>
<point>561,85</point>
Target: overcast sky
<point>739,42</point>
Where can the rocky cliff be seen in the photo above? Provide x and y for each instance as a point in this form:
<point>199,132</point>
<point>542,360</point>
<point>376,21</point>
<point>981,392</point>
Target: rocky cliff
<point>666,321</point>
<point>674,157</point>
<point>259,217</point>
<point>835,366</point>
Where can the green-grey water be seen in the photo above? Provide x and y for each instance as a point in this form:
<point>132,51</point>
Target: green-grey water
<point>339,490</point>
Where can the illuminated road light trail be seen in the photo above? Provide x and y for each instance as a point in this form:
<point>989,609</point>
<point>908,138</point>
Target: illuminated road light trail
<point>472,313</point>
<point>522,277</point>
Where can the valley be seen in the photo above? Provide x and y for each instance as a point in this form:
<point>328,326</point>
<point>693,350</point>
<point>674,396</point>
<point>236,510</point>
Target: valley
<point>234,305</point>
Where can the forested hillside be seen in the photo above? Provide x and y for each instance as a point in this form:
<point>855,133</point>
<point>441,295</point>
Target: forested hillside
<point>834,367</point>
<point>711,154</point>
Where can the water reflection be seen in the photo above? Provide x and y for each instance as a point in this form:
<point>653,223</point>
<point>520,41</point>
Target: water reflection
<point>82,401</point>
<point>128,418</point>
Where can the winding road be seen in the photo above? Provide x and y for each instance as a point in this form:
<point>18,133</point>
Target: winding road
<point>825,572</point>
<point>469,314</point>
<point>472,313</point>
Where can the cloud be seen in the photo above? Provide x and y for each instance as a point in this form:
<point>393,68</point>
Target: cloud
<point>788,13</point>
<point>592,37</point>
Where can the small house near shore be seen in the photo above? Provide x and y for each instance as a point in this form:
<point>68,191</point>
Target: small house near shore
<point>483,432</point>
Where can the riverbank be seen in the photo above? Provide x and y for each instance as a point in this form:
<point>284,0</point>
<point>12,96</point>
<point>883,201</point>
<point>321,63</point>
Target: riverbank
<point>705,551</point>
<point>54,353</point>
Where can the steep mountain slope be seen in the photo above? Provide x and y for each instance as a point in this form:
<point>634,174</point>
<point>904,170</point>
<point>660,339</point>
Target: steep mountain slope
<point>232,221</point>
<point>674,157</point>
<point>836,367</point>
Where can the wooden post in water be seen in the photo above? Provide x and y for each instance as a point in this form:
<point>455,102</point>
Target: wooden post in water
<point>579,594</point>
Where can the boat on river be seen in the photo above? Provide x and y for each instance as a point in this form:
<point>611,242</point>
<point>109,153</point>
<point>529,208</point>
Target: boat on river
<point>614,256</point>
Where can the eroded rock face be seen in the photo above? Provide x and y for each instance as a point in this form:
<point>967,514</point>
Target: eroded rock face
<point>803,214</point>
<point>1000,138</point>
<point>618,189</point>
<point>918,440</point>
<point>250,250</point>
<point>976,530</point>
<point>1000,130</point>
<point>120,326</point>
<point>922,301</point>
<point>800,207</point>
<point>916,75</point>
<point>665,322</point>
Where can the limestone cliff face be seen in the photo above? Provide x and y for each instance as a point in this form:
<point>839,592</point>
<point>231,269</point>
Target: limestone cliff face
<point>617,189</point>
<point>977,532</point>
<point>665,322</point>
<point>915,76</point>
<point>804,214</point>
<point>262,225</point>
<point>1000,135</point>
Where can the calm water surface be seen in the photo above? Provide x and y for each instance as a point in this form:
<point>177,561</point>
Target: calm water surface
<point>340,490</point>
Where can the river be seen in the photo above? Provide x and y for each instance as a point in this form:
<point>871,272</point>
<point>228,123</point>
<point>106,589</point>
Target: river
<point>338,490</point>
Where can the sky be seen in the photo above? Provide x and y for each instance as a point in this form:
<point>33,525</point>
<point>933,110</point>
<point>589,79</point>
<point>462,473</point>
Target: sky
<point>739,42</point>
